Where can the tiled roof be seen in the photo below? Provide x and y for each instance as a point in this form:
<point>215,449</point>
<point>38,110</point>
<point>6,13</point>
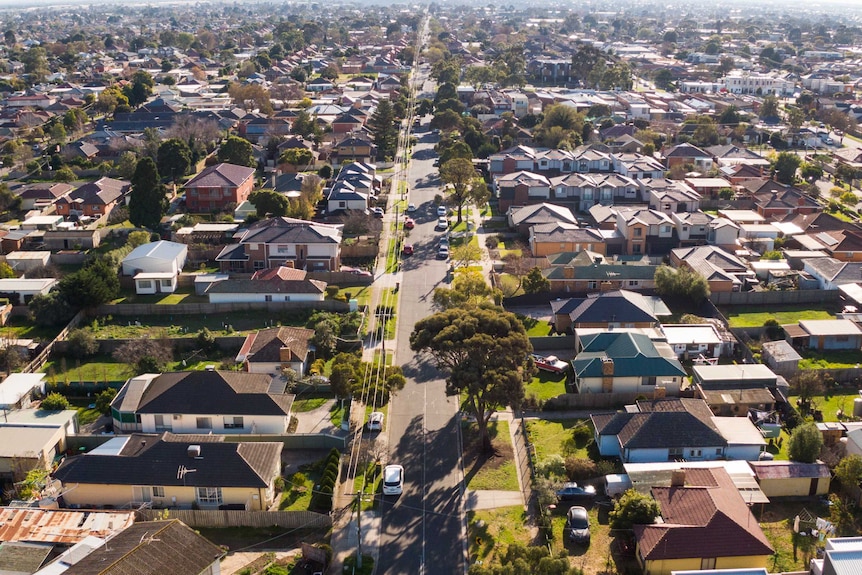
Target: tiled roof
<point>617,306</point>
<point>634,355</point>
<point>265,345</point>
<point>221,175</point>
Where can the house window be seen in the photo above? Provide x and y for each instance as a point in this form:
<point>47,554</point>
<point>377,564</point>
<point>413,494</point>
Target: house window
<point>674,453</point>
<point>166,283</point>
<point>210,495</point>
<point>665,229</point>
<point>842,338</point>
<point>145,284</point>
<point>267,298</point>
<point>259,264</point>
<point>342,204</point>
<point>160,422</point>
<point>204,423</point>
<point>707,563</point>
<point>562,246</point>
<point>233,422</point>
<point>592,285</point>
<point>685,228</point>
<point>158,491</point>
<point>638,232</point>
<point>696,453</point>
<point>282,249</point>
<point>636,248</point>
<point>718,451</point>
<point>633,283</point>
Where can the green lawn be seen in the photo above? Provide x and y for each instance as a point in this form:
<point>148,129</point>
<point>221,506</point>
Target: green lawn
<point>497,472</point>
<point>336,414</point>
<point>182,295</point>
<point>19,327</point>
<point>491,531</point>
<point>837,359</point>
<point>756,316</point>
<point>362,294</point>
<point>554,437</point>
<point>830,404</point>
<point>86,414</point>
<point>297,490</point>
<point>368,484</point>
<point>535,327</point>
<point>509,285</point>
<point>545,385</point>
<point>122,327</point>
<point>99,368</point>
<point>308,404</point>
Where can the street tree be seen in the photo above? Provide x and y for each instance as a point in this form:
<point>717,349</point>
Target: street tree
<point>483,351</point>
<point>269,202</point>
<point>465,255</point>
<point>769,107</point>
<point>805,443</point>
<point>173,159</point>
<point>459,175</point>
<point>469,289</point>
<point>297,157</point>
<point>147,201</point>
<point>236,150</point>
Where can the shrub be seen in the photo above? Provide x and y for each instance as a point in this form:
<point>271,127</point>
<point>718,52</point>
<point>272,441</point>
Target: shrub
<point>581,434</point>
<point>491,242</point>
<point>633,508</point>
<point>553,466</point>
<point>331,291</point>
<point>104,399</point>
<point>55,402</point>
<point>578,469</point>
<point>82,343</point>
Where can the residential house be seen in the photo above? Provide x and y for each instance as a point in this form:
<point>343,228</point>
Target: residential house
<point>843,245</point>
<point>41,195</point>
<point>646,231</point>
<point>520,189</point>
<point>218,186</point>
<point>284,241</point>
<point>39,525</point>
<point>776,201</point>
<point>521,218</point>
<point>71,238</point>
<point>623,362</point>
<point>145,548</point>
<point>692,228</point>
<point>705,524</point>
<point>345,196</point>
<point>736,402</point>
<point>609,310</point>
<point>693,340</point>
<point>825,334</point>
<point>274,284</point>
<point>841,555</point>
<point>729,155</point>
<point>556,237</point>
<point>93,199</point>
<point>585,190</point>
<point>688,154</point>
<point>168,470</point>
<point>274,349</point>
<point>723,271</point>
<point>649,431</point>
<point>740,173</point>
<point>26,261</point>
<point>33,439</point>
<point>18,390</point>
<point>734,376</point>
<point>156,266</point>
<point>221,402</point>
<point>792,478</point>
<point>355,147</point>
<point>638,166</point>
<point>781,357</point>
<point>22,290</point>
<point>670,196</point>
<point>586,271</point>
<point>708,187</point>
<point>831,273</point>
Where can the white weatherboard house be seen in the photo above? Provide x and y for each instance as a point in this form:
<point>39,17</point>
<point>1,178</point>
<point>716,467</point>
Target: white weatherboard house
<point>156,266</point>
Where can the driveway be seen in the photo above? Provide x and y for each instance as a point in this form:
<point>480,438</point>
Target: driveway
<point>316,420</point>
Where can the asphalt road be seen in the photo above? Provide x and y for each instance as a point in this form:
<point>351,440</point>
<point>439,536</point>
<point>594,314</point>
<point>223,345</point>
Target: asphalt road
<point>421,530</point>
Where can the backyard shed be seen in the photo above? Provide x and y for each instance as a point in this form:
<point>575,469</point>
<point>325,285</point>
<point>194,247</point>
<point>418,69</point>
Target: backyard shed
<point>791,479</point>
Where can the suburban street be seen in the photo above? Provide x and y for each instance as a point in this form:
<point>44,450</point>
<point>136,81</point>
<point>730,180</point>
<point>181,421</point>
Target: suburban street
<point>422,530</point>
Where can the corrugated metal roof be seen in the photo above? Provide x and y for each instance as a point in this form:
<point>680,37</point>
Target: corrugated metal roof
<point>59,526</point>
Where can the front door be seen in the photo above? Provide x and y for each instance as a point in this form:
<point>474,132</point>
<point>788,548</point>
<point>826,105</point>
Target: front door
<point>143,494</point>
<point>812,489</point>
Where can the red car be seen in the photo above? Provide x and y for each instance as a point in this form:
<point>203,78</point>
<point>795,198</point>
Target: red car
<point>550,363</point>
<point>409,224</point>
<point>407,250</point>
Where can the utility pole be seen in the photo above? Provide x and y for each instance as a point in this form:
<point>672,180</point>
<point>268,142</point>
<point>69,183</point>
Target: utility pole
<point>359,527</point>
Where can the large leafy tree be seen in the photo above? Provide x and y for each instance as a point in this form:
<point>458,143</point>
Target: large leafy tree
<point>174,159</point>
<point>633,508</point>
<point>297,157</point>
<point>91,286</point>
<point>805,443</point>
<point>483,351</point>
<point>269,202</point>
<point>785,166</point>
<point>461,179</point>
<point>536,282</point>
<point>140,88</point>
<point>682,282</point>
<point>469,288</point>
<point>384,130</point>
<point>147,202</point>
<point>236,150</point>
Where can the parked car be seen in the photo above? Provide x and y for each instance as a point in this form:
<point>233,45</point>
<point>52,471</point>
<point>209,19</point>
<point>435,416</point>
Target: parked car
<point>377,212</point>
<point>550,363</point>
<point>357,271</point>
<point>409,224</point>
<point>393,480</point>
<point>442,224</point>
<point>436,163</point>
<point>574,492</point>
<point>443,253</point>
<point>411,208</point>
<point>444,241</point>
<point>442,211</point>
<point>407,250</point>
<point>578,525</point>
<point>375,421</point>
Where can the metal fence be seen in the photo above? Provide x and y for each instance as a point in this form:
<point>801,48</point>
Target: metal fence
<point>232,518</point>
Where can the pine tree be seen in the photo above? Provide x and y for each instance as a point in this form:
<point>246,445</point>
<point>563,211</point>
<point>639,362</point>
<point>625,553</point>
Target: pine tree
<point>384,130</point>
<point>147,203</point>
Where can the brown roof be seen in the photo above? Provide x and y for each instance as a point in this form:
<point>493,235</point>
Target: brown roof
<point>151,548</point>
<point>265,345</point>
<point>221,175</point>
<point>59,526</point>
<point>706,517</point>
<point>788,469</point>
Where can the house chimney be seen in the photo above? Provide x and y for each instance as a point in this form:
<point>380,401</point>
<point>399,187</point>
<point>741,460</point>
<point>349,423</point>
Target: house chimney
<point>677,478</point>
<point>194,451</point>
<point>607,375</point>
<point>284,355</point>
<point>660,392</point>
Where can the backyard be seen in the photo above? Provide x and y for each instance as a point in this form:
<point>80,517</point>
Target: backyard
<point>544,386</point>
<point>550,437</point>
<point>756,316</point>
<point>188,325</point>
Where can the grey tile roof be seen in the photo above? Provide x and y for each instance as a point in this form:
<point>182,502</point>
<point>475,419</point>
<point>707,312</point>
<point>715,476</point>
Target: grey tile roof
<point>617,306</point>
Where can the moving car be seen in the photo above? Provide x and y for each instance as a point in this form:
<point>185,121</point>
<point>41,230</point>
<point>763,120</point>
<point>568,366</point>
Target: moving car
<point>411,208</point>
<point>442,211</point>
<point>407,250</point>
<point>375,421</point>
<point>550,363</point>
<point>443,253</point>
<point>393,480</point>
<point>442,224</point>
<point>578,525</point>
<point>377,212</point>
<point>574,492</point>
<point>409,224</point>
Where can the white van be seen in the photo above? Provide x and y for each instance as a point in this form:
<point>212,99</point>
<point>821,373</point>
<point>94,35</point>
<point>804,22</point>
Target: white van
<point>617,484</point>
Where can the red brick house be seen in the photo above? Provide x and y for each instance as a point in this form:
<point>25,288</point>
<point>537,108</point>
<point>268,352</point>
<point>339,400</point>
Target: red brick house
<point>217,186</point>
<point>93,199</point>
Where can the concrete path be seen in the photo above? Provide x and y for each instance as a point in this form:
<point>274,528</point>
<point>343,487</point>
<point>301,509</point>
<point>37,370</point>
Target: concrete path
<point>316,420</point>
<point>488,499</point>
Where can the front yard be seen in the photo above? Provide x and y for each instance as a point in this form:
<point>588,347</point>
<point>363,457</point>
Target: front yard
<point>496,472</point>
<point>544,386</point>
<point>555,437</point>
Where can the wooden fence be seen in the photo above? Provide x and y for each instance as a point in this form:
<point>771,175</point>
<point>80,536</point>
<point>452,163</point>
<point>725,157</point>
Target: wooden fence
<point>41,359</point>
<point>219,518</point>
<point>143,309</point>
<point>789,297</point>
<point>604,401</point>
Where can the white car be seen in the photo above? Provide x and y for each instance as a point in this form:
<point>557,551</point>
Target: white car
<point>442,211</point>
<point>375,421</point>
<point>411,208</point>
<point>393,480</point>
<point>442,224</point>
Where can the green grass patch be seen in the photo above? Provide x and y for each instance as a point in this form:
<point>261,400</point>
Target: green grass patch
<point>99,368</point>
<point>188,325</point>
<point>392,255</point>
<point>86,414</point>
<point>756,316</point>
<point>368,484</point>
<point>491,531</point>
<point>183,295</point>
<point>20,327</point>
<point>535,327</point>
<point>509,285</point>
<point>834,359</point>
<point>308,404</point>
<point>778,446</point>
<point>362,294</point>
<point>555,437</point>
<point>829,405</point>
<point>495,225</point>
<point>336,413</point>
<point>495,472</point>
<point>544,386</point>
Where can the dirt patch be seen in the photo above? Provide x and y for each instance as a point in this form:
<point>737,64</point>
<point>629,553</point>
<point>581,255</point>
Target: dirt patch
<point>483,470</point>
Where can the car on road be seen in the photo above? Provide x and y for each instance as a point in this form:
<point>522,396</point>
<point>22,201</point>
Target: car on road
<point>578,525</point>
<point>442,211</point>
<point>377,212</point>
<point>443,253</point>
<point>375,421</point>
<point>393,480</point>
<point>409,224</point>
<point>550,363</point>
<point>411,208</point>
<point>442,224</point>
<point>407,250</point>
<point>357,271</point>
<point>436,163</point>
<point>444,241</point>
<point>574,492</point>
